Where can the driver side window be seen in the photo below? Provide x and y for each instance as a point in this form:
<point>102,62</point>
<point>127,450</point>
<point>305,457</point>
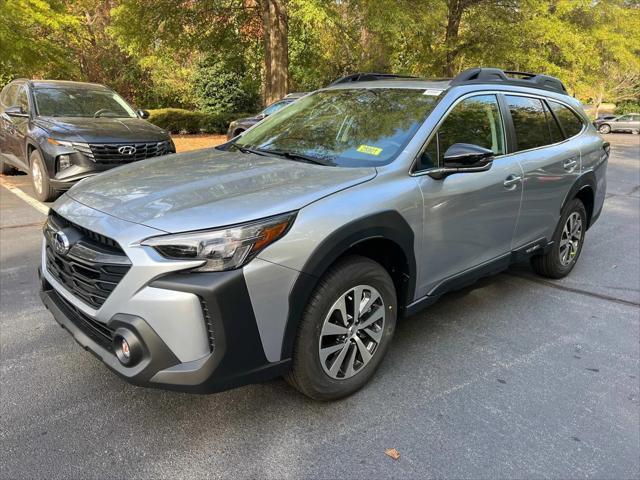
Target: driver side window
<point>22,100</point>
<point>475,120</point>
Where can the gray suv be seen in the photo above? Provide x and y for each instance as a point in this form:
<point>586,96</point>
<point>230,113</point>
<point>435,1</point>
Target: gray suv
<point>293,249</point>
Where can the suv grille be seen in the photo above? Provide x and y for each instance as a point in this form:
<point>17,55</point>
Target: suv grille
<point>92,268</point>
<point>98,332</point>
<point>121,153</point>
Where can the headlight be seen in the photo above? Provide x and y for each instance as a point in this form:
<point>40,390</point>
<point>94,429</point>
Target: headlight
<point>222,249</point>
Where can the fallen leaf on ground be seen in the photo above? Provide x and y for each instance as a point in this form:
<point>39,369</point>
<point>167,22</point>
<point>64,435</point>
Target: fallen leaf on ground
<point>393,453</point>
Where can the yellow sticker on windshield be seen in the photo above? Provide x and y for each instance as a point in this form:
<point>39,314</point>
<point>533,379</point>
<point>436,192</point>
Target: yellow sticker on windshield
<point>369,150</point>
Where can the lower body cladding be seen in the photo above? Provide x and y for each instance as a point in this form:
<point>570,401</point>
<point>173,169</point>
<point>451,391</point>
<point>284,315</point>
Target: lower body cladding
<point>236,352</point>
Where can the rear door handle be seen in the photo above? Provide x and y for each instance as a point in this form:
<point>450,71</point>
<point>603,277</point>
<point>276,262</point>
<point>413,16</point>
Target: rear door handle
<point>570,164</point>
<point>512,181</point>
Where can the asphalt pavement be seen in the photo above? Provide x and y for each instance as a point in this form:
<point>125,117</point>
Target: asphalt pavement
<point>514,377</point>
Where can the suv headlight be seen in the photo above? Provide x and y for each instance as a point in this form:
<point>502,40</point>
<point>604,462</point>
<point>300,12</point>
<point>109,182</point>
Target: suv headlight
<point>225,248</point>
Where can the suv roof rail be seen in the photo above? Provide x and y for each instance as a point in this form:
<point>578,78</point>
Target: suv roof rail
<point>367,77</point>
<point>510,77</point>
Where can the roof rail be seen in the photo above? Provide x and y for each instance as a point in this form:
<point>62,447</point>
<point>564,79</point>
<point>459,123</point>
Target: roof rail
<point>509,77</point>
<point>367,77</point>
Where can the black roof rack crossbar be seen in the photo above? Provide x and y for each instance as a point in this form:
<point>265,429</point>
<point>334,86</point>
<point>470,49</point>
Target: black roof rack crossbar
<point>495,75</point>
<point>367,77</point>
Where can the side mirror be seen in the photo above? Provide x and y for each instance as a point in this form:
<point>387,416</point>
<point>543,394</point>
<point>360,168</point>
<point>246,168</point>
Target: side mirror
<point>16,111</point>
<point>464,157</point>
<point>261,116</point>
<point>143,114</point>
<point>467,156</point>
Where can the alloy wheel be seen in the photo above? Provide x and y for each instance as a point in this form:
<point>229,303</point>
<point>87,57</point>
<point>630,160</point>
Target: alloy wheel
<point>570,239</point>
<point>351,332</point>
<point>36,173</point>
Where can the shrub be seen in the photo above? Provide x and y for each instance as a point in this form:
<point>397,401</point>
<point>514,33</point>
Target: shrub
<point>219,87</point>
<point>628,107</point>
<point>176,120</point>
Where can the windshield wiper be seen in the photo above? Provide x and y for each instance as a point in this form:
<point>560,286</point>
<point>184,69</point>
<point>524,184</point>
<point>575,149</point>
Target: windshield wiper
<point>296,156</point>
<point>249,150</point>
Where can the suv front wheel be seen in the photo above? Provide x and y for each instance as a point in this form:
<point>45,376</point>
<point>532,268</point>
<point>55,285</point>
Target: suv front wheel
<point>345,330</point>
<point>40,178</point>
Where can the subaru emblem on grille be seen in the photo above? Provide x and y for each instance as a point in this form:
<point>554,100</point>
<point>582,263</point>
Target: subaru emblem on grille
<point>127,150</point>
<point>61,243</point>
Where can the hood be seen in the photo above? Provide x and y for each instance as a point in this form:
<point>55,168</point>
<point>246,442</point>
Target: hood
<point>211,188</point>
<point>102,130</point>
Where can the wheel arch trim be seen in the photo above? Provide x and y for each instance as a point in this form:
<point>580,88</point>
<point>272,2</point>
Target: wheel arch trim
<point>388,225</point>
<point>586,181</point>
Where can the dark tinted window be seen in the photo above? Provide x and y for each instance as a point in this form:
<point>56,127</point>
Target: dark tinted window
<point>475,120</point>
<point>554,128</point>
<point>570,122</point>
<point>529,122</point>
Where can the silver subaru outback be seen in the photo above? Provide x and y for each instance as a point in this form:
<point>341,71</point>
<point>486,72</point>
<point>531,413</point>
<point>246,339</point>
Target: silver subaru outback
<point>294,248</point>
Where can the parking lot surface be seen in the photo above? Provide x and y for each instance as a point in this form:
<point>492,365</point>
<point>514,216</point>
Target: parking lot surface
<point>514,377</point>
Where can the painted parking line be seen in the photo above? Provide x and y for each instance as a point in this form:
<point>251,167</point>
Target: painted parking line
<point>39,206</point>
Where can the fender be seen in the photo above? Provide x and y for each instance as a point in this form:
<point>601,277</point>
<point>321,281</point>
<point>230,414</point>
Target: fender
<point>585,180</point>
<point>388,225</point>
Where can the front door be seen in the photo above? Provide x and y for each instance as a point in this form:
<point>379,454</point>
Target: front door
<point>469,218</point>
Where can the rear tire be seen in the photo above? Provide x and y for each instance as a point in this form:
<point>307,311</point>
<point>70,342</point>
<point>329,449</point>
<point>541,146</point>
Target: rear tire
<point>40,178</point>
<point>604,128</point>
<point>567,243</point>
<point>334,357</point>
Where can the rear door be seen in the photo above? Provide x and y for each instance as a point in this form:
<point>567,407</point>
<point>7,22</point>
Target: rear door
<point>550,163</point>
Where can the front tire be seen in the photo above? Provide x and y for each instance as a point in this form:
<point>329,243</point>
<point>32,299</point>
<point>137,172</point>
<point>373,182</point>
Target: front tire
<point>604,128</point>
<point>567,243</point>
<point>345,330</point>
<point>40,178</point>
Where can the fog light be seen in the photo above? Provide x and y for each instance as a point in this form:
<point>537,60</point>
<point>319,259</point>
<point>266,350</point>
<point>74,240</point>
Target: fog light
<point>124,347</point>
<point>64,162</point>
<point>127,347</point>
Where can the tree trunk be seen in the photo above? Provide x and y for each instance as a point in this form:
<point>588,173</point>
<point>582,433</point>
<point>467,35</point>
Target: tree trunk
<point>454,17</point>
<point>276,50</point>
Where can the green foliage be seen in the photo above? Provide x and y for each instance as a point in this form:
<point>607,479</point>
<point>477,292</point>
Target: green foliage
<point>176,120</point>
<point>31,38</point>
<point>627,107</point>
<point>210,54</point>
<point>218,88</point>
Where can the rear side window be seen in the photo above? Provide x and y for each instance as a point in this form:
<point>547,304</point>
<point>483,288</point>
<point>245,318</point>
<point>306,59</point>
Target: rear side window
<point>554,128</point>
<point>474,120</point>
<point>529,122</point>
<point>570,122</point>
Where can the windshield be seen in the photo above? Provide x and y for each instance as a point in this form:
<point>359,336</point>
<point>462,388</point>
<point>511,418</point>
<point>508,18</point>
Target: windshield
<point>81,102</point>
<point>351,127</point>
<point>274,107</point>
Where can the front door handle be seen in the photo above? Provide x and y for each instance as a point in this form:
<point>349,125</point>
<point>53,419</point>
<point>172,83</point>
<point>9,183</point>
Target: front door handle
<point>512,181</point>
<point>570,164</point>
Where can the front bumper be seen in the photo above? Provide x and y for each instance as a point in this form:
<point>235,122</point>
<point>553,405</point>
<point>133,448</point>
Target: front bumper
<point>237,357</point>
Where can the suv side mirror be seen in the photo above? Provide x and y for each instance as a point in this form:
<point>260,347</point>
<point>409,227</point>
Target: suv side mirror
<point>16,111</point>
<point>464,157</point>
<point>143,114</point>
